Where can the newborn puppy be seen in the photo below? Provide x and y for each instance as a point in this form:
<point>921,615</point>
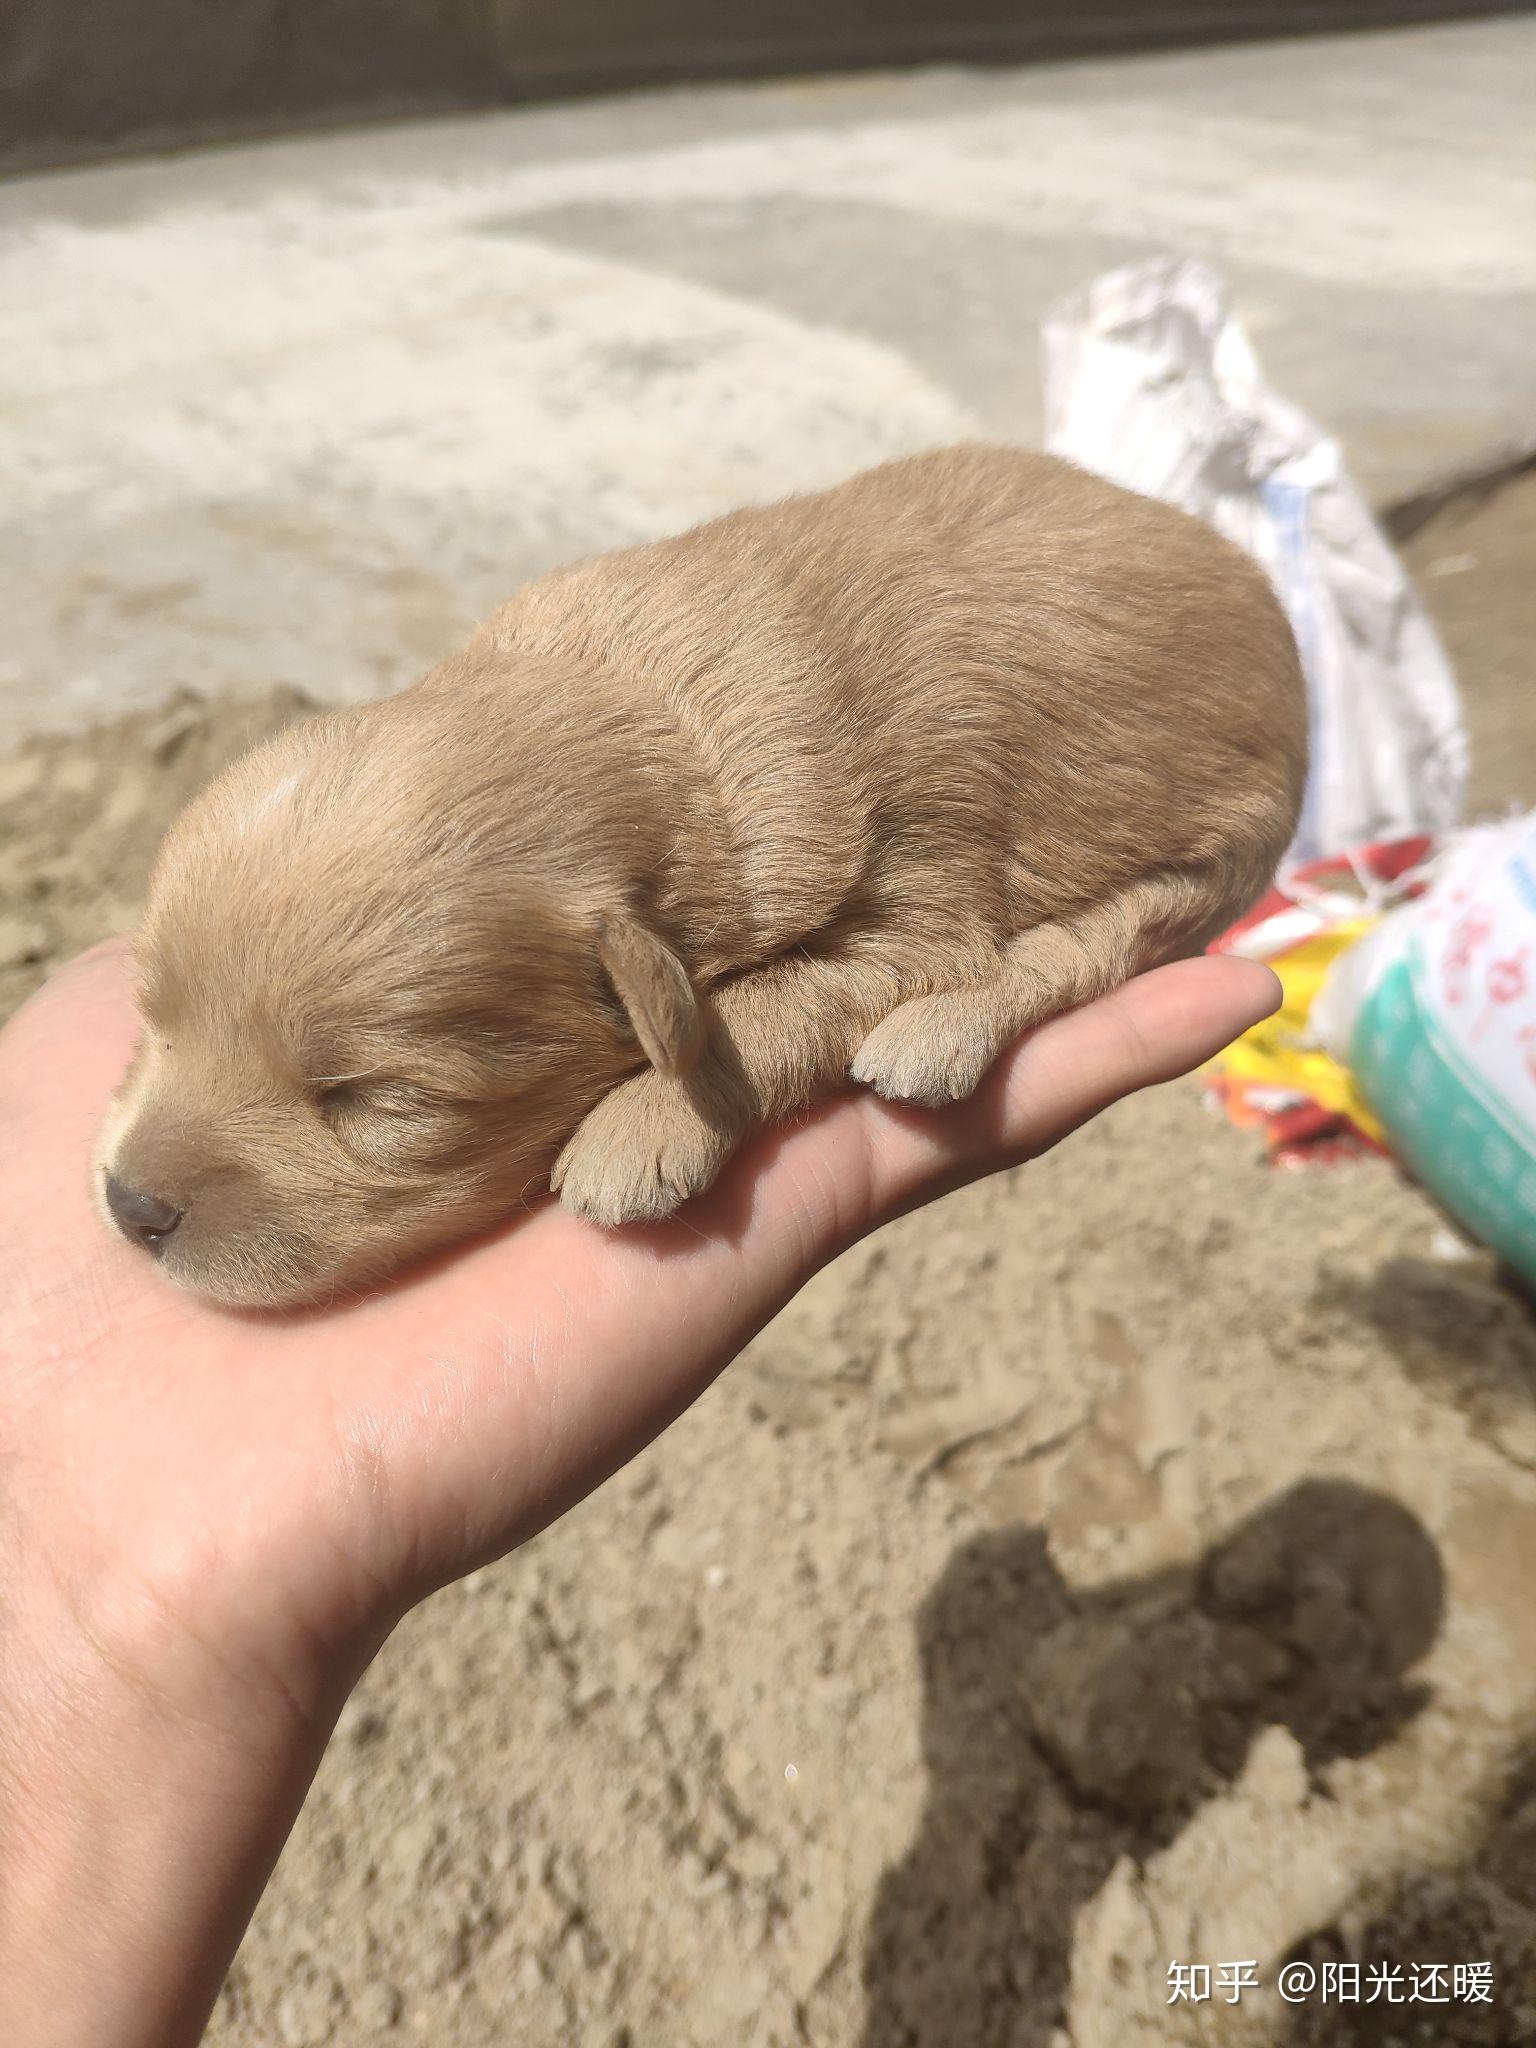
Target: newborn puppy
<point>863,783</point>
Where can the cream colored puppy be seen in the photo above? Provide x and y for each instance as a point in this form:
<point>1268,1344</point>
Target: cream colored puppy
<point>863,783</point>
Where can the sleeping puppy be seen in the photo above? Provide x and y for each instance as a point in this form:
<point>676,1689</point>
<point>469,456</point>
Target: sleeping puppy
<point>865,783</point>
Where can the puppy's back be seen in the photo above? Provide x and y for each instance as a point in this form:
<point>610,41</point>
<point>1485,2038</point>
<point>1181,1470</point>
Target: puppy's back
<point>978,646</point>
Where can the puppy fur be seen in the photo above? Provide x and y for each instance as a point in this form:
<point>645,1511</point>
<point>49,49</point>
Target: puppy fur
<point>867,783</point>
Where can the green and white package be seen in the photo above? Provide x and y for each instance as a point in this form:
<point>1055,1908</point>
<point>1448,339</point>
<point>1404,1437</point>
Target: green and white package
<point>1442,1039</point>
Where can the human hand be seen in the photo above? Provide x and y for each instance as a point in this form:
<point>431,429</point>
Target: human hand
<point>209,1522</point>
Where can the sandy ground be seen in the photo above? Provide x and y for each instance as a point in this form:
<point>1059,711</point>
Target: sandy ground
<point>1127,1561</point>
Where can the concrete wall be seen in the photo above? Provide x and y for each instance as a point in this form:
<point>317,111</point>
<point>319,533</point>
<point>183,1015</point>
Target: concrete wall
<point>88,77</point>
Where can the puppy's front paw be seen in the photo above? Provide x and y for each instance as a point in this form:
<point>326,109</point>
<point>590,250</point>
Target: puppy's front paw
<point>641,1152</point>
<point>931,1050</point>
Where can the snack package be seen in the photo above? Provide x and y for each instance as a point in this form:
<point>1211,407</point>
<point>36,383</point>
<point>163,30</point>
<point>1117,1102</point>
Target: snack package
<point>1280,1075</point>
<point>1434,1015</point>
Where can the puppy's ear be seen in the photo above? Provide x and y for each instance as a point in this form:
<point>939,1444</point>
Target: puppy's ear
<point>653,985</point>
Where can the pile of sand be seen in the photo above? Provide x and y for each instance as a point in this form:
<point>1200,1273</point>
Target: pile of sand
<point>1127,1561</point>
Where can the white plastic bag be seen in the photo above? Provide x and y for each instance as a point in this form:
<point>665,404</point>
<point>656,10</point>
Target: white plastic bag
<point>1150,381</point>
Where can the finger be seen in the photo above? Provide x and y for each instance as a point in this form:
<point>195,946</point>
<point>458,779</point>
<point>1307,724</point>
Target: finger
<point>61,1056</point>
<point>71,1040</point>
<point>1155,1028</point>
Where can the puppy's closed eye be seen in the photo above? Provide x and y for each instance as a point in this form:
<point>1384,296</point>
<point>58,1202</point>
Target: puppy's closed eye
<point>384,1120</point>
<point>374,1094</point>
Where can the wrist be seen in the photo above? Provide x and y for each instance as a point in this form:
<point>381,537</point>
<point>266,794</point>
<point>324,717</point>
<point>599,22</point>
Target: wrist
<point>144,1798</point>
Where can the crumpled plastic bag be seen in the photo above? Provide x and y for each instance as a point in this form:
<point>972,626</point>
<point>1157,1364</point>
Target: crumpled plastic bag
<point>1150,381</point>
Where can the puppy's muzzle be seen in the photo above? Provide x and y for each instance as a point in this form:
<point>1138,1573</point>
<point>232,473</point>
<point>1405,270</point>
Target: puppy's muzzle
<point>143,1219</point>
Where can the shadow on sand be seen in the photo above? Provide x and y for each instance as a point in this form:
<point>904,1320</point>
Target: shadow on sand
<point>1062,1730</point>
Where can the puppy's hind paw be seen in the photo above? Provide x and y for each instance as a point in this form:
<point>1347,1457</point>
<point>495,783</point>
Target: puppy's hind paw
<point>639,1155</point>
<point>932,1050</point>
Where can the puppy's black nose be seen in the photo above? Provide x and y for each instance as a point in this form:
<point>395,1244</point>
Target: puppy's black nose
<point>143,1219</point>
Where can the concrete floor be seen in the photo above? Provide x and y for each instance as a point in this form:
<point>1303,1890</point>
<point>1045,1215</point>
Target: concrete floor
<point>300,412</point>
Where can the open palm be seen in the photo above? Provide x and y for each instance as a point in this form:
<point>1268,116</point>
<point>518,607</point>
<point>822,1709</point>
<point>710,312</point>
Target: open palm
<point>227,1513</point>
